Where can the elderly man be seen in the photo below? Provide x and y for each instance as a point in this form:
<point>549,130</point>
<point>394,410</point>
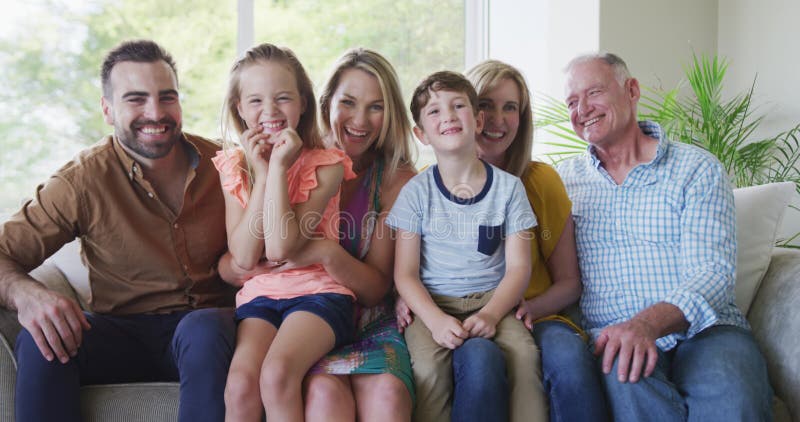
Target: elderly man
<point>655,230</point>
<point>148,208</point>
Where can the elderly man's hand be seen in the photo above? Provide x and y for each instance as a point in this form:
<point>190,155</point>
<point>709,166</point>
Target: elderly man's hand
<point>634,342</point>
<point>55,322</point>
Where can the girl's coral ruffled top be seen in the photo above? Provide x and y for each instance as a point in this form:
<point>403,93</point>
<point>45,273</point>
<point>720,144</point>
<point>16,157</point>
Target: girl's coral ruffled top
<point>302,179</point>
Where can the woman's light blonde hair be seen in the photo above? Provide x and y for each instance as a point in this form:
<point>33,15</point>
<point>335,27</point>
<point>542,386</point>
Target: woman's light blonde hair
<point>233,124</point>
<point>394,142</point>
<point>485,76</point>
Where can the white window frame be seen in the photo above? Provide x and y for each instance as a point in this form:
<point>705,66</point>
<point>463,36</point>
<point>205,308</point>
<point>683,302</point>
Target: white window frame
<point>476,32</point>
<point>245,28</point>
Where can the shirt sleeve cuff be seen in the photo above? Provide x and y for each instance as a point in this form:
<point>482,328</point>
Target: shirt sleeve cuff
<point>697,311</point>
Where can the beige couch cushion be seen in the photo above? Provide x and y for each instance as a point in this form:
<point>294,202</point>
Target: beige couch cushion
<point>759,212</point>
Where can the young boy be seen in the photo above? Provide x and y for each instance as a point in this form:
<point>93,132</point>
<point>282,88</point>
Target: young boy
<point>462,258</point>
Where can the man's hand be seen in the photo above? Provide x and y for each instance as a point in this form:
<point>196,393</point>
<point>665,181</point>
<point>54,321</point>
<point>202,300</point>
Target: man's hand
<point>635,343</point>
<point>525,313</point>
<point>481,324</point>
<point>448,332</point>
<point>403,313</point>
<point>55,322</point>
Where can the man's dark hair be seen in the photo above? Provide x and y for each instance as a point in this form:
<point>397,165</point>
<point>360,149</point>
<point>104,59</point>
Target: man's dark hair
<point>441,81</point>
<point>141,51</point>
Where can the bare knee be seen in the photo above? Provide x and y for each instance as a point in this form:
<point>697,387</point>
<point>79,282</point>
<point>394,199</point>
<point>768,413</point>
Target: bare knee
<point>327,395</point>
<point>382,397</point>
<point>242,390</point>
<point>278,382</point>
<point>327,391</point>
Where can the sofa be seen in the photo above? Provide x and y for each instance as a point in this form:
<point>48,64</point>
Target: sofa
<point>768,292</point>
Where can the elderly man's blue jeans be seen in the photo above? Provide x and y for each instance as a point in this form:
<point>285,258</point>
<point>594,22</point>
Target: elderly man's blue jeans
<point>194,348</point>
<point>717,375</point>
<point>480,385</point>
<point>569,374</point>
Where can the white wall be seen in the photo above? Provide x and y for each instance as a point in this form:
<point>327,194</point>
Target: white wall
<point>656,38</point>
<point>763,38</point>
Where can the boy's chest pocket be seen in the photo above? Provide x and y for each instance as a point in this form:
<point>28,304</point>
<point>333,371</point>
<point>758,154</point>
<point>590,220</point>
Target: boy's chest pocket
<point>489,238</point>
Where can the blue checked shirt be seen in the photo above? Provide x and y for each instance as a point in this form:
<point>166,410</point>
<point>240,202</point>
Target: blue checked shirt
<point>666,234</point>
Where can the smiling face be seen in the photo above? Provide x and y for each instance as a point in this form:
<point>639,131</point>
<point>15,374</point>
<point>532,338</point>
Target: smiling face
<point>357,111</point>
<point>144,107</point>
<point>601,109</point>
<point>448,122</point>
<point>501,107</point>
<point>269,97</point>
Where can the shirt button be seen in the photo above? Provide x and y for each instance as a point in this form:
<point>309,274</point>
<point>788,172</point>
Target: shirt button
<point>175,225</point>
<point>185,267</point>
<point>150,194</point>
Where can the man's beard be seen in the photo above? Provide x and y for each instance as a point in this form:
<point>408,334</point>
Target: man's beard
<point>128,137</point>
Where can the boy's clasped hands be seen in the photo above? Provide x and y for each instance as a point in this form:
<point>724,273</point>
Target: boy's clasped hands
<point>447,330</point>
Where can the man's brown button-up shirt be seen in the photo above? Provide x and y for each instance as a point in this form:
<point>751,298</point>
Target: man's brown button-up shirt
<point>141,257</point>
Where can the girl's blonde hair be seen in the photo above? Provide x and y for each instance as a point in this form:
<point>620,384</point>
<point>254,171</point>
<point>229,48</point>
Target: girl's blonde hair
<point>233,122</point>
<point>394,142</point>
<point>485,76</point>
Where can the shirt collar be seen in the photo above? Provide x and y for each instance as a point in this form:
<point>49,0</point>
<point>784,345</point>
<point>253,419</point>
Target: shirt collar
<point>649,128</point>
<point>654,130</point>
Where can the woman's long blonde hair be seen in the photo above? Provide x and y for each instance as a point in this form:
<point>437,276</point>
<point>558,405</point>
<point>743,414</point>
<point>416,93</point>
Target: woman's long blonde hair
<point>233,124</point>
<point>394,142</point>
<point>485,76</point>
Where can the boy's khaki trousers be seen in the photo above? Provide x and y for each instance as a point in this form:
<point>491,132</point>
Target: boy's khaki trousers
<point>433,369</point>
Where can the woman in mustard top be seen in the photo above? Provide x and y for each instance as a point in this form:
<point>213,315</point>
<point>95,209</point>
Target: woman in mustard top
<point>569,374</point>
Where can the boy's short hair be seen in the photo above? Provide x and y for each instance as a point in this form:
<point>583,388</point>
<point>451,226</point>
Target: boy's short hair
<point>442,81</point>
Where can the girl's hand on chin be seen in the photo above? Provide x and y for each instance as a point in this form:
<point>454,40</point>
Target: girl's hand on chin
<point>257,147</point>
<point>286,149</point>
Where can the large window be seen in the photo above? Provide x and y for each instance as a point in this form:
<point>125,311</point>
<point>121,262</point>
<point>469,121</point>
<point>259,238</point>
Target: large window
<point>51,50</point>
<point>416,38</point>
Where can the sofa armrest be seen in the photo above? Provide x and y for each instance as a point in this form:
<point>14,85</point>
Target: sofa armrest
<point>8,367</point>
<point>775,323</point>
<point>47,274</point>
<point>54,279</point>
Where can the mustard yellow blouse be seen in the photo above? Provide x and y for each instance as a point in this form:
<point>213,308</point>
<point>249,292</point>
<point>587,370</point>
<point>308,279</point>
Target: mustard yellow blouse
<point>552,207</point>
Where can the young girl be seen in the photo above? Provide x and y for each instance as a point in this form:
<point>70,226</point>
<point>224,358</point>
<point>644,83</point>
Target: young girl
<point>281,189</point>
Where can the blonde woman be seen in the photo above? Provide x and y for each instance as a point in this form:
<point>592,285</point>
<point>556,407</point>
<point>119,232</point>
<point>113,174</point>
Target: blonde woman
<point>568,368</point>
